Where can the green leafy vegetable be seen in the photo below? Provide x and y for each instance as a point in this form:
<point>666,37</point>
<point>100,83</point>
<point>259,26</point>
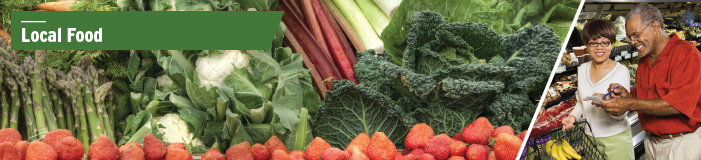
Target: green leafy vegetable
<point>351,109</point>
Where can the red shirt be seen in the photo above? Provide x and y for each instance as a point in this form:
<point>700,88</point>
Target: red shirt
<point>676,78</point>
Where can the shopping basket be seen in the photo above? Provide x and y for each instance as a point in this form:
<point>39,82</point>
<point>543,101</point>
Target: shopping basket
<point>586,146</point>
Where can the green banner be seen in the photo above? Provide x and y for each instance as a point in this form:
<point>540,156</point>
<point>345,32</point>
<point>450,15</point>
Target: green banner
<point>183,30</point>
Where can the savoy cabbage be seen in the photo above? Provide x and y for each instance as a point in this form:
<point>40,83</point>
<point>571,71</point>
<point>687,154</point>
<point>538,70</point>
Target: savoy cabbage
<point>451,74</point>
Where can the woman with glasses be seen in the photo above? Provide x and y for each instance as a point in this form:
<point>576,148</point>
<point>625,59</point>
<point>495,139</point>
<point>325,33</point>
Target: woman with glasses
<point>594,77</point>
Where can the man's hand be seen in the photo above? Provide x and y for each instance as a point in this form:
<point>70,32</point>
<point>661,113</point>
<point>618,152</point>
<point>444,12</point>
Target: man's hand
<point>568,123</point>
<point>614,106</point>
<point>618,92</point>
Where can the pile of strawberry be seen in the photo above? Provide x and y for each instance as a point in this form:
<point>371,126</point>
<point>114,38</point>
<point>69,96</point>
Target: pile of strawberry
<point>485,142</point>
<point>61,145</point>
<point>478,141</point>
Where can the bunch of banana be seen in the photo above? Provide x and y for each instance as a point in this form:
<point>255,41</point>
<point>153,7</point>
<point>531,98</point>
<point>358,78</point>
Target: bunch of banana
<point>561,150</point>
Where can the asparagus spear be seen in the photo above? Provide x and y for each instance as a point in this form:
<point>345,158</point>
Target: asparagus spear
<point>24,87</point>
<point>100,100</point>
<point>58,108</point>
<point>86,98</point>
<point>40,117</point>
<point>14,93</point>
<point>5,109</point>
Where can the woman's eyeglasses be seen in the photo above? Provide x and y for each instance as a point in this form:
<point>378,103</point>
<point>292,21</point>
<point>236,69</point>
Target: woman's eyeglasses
<point>594,44</point>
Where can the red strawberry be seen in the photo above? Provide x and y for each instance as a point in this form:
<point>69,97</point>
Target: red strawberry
<point>259,152</point>
<point>507,146</point>
<point>316,148</point>
<point>10,135</point>
<point>70,148</point>
<point>417,152</point>
<point>8,151</point>
<point>21,148</point>
<point>457,137</point>
<point>361,141</point>
<point>296,155</point>
<point>334,153</point>
<point>502,129</point>
<point>405,157</point>
<point>278,154</point>
<point>154,149</point>
<point>38,150</point>
<point>446,137</point>
<point>54,136</point>
<point>381,148</point>
<point>177,153</point>
<point>124,147</point>
<point>176,146</point>
<point>522,135</point>
<point>213,154</point>
<point>492,156</point>
<point>134,152</point>
<point>476,152</point>
<point>103,149</point>
<point>274,143</point>
<point>478,132</point>
<point>239,152</point>
<point>457,148</point>
<point>439,147</point>
<point>426,157</point>
<point>418,136</point>
<point>456,158</point>
<point>356,154</point>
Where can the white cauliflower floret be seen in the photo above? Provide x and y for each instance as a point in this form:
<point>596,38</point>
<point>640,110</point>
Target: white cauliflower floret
<point>163,80</point>
<point>211,70</point>
<point>176,130</point>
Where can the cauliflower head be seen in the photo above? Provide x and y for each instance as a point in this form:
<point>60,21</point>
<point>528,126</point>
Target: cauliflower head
<point>212,69</point>
<point>176,130</point>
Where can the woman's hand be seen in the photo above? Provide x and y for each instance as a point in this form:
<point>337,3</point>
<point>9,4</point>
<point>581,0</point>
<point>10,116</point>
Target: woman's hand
<point>568,123</point>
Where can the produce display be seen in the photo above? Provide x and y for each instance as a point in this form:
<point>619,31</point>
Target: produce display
<point>407,73</point>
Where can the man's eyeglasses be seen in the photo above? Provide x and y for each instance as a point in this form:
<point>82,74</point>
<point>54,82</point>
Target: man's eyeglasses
<point>636,35</point>
<point>594,44</point>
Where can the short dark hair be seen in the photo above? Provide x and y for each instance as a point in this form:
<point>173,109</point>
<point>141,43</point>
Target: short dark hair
<point>597,28</point>
<point>647,13</point>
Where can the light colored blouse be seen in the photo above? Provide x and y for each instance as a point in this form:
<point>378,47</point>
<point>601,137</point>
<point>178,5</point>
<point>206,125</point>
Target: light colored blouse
<point>602,123</point>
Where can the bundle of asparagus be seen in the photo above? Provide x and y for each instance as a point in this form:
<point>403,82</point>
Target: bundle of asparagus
<point>36,99</point>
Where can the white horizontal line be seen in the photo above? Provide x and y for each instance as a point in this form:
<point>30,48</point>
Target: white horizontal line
<point>33,21</point>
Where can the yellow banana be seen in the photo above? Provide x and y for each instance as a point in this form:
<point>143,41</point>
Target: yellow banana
<point>561,152</point>
<point>554,151</point>
<point>568,150</point>
<point>548,147</point>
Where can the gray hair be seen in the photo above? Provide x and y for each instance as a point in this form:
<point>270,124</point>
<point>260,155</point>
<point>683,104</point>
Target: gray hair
<point>647,14</point>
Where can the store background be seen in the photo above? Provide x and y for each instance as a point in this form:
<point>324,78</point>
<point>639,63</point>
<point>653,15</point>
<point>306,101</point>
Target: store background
<point>680,17</point>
